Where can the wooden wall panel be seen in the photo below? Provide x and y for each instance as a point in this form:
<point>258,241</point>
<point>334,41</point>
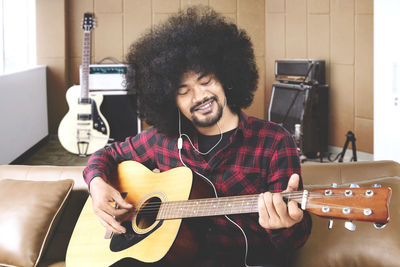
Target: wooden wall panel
<point>341,33</point>
<point>51,37</point>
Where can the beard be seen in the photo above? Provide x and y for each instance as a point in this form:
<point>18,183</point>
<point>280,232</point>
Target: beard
<point>210,119</point>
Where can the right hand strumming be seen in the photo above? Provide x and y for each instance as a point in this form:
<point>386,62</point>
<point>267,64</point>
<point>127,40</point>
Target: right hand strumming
<point>102,195</point>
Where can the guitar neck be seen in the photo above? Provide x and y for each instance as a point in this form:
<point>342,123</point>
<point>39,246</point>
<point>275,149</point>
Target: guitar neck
<point>362,204</point>
<point>216,206</point>
<point>85,65</point>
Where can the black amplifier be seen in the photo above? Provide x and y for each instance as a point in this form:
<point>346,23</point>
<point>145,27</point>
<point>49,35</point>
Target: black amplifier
<point>300,71</point>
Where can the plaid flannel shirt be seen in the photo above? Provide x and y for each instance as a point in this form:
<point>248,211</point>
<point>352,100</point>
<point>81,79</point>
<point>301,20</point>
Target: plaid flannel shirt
<point>261,156</point>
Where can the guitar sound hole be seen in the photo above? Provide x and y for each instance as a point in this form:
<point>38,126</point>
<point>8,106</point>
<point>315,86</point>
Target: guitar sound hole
<point>148,213</point>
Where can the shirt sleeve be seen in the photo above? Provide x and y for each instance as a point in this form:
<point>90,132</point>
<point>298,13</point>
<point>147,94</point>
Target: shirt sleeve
<point>103,163</point>
<point>284,163</point>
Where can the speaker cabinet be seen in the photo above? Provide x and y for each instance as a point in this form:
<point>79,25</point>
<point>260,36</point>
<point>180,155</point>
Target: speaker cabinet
<point>306,105</point>
<point>121,115</point>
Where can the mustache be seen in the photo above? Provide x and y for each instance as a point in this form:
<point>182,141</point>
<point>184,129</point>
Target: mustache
<point>192,109</point>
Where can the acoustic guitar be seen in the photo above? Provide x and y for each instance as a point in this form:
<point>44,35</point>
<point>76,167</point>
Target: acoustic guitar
<point>162,224</point>
<point>83,130</point>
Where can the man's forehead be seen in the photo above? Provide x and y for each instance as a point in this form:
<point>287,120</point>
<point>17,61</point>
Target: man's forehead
<point>193,75</point>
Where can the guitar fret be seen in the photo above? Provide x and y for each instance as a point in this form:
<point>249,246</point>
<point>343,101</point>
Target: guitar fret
<point>208,207</point>
<point>85,65</point>
<point>160,214</point>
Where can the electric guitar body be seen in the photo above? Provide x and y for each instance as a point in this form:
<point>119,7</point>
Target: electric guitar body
<point>83,130</point>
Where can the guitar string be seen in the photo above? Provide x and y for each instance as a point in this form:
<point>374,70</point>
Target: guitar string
<point>180,216</point>
<point>203,201</point>
<point>239,199</point>
<point>294,196</point>
<point>246,207</point>
<point>174,208</point>
<point>233,200</point>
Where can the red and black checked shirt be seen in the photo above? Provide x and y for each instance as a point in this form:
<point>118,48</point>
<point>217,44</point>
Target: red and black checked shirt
<point>261,156</point>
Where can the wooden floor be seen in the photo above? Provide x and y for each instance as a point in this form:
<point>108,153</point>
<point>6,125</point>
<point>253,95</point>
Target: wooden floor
<point>50,152</point>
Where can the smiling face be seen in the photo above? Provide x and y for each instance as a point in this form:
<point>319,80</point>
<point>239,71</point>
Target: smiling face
<point>201,99</point>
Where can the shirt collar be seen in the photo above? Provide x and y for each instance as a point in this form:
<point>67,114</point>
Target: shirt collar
<point>243,122</point>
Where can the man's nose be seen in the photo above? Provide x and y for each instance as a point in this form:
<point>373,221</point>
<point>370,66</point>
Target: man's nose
<point>199,93</point>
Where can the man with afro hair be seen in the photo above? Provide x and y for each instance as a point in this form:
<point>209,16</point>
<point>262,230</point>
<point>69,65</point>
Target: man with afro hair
<point>191,77</point>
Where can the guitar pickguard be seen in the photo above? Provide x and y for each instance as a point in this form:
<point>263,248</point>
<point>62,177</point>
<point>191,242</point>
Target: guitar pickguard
<point>98,123</point>
<point>120,242</point>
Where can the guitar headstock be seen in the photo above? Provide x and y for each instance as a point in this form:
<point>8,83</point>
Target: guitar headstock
<point>370,204</point>
<point>88,22</point>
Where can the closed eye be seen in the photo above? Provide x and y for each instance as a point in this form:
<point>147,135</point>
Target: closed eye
<point>205,80</point>
<point>183,90</point>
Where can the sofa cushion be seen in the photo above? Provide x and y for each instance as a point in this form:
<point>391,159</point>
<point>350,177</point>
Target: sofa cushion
<point>29,211</point>
<point>366,246</point>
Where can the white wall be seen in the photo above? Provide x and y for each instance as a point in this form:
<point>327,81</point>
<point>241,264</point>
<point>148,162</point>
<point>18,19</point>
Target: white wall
<point>23,112</point>
<point>387,80</point>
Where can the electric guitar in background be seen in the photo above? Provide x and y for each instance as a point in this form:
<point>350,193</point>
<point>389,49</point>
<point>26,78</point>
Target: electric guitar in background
<point>84,129</point>
<point>165,223</point>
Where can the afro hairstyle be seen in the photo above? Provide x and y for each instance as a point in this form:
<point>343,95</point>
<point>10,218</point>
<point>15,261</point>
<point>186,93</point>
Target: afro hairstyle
<point>197,39</point>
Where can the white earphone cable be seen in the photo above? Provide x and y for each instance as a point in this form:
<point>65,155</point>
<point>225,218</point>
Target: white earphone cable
<point>190,141</point>
<point>180,145</point>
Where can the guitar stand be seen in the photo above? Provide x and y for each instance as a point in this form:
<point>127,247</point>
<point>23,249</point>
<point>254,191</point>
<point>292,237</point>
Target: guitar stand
<point>350,138</point>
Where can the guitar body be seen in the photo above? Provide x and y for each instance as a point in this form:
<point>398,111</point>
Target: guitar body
<point>83,130</point>
<point>147,240</point>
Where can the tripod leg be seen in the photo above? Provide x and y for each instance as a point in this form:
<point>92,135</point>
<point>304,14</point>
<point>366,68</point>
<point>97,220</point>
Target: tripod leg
<point>346,144</point>
<point>353,146</point>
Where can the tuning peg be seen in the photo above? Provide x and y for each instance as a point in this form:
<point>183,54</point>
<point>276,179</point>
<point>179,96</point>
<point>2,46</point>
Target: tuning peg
<point>349,225</point>
<point>334,185</point>
<point>379,226</point>
<point>330,225</point>
<point>354,186</point>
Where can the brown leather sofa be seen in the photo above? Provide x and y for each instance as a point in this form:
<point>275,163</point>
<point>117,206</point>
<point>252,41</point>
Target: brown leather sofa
<point>39,206</point>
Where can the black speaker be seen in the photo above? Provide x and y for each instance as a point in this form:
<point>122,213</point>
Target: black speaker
<point>306,105</point>
<point>120,113</point>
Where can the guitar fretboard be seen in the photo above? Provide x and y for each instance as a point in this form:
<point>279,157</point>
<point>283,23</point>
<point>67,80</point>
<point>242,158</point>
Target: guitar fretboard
<point>85,65</point>
<point>214,206</point>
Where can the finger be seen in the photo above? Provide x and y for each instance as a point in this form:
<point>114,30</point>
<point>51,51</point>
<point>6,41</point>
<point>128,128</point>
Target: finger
<point>282,209</point>
<point>109,227</point>
<point>268,202</point>
<point>280,206</point>
<point>293,183</point>
<point>122,204</point>
<point>262,212</point>
<point>107,208</point>
<point>110,223</point>
<point>294,211</point>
